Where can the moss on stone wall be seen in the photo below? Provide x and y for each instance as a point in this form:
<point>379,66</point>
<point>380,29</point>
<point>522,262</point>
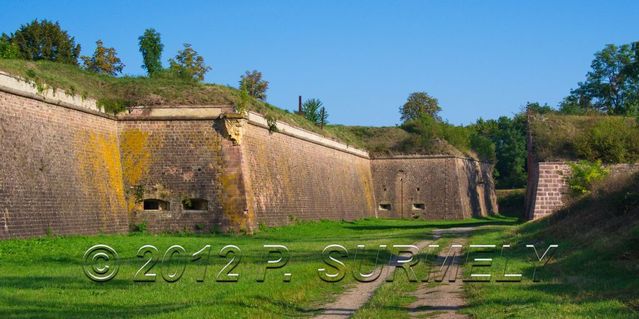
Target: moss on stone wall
<point>98,164</point>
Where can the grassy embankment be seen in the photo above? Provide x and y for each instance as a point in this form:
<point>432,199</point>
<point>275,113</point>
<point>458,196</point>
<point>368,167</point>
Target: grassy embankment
<point>611,139</point>
<point>594,273</point>
<point>43,277</point>
<point>116,93</point>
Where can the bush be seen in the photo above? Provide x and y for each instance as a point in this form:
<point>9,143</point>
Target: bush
<point>188,64</point>
<point>484,147</point>
<point>151,48</point>
<point>8,50</point>
<point>458,136</point>
<point>311,108</point>
<point>611,140</point>
<point>141,227</point>
<point>584,175</point>
<point>104,60</point>
<point>252,83</point>
<point>45,40</point>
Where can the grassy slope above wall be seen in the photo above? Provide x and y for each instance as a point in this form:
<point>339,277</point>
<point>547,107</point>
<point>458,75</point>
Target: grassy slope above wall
<point>117,92</point>
<point>380,141</point>
<point>595,271</point>
<point>112,91</point>
<point>613,139</point>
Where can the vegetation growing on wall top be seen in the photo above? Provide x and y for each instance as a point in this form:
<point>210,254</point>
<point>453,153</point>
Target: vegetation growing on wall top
<point>611,139</point>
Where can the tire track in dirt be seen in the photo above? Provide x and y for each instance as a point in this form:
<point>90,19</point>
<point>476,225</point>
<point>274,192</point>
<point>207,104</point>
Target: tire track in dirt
<point>354,298</point>
<point>444,300</point>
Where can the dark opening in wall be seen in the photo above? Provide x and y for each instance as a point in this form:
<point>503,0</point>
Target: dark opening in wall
<point>419,206</point>
<point>195,204</point>
<point>156,204</point>
<point>385,206</point>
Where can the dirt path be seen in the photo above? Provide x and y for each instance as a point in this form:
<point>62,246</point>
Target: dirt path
<point>444,300</point>
<point>354,298</point>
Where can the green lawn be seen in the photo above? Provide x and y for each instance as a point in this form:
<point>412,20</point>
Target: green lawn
<point>582,281</point>
<point>43,277</point>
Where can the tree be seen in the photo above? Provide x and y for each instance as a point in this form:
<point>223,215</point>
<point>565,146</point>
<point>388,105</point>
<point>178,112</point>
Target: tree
<point>253,84</point>
<point>612,86</point>
<point>419,103</point>
<point>509,138</point>
<point>322,117</point>
<point>311,109</point>
<point>45,40</point>
<point>104,60</point>
<point>151,48</point>
<point>538,108</point>
<point>188,64</point>
<point>8,50</point>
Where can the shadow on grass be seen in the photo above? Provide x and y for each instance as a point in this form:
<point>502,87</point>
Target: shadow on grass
<point>439,224</point>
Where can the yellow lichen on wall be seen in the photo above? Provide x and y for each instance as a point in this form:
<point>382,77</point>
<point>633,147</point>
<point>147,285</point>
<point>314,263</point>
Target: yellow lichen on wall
<point>231,200</point>
<point>136,157</point>
<point>98,164</point>
<point>136,147</point>
<point>365,178</point>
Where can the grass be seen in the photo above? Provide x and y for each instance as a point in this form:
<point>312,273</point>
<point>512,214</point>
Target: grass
<point>594,274</point>
<point>43,277</point>
<point>385,141</point>
<point>115,93</point>
<point>391,300</point>
<point>558,137</point>
<point>511,202</point>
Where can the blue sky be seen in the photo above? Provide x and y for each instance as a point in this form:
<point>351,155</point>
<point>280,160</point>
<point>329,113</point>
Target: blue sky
<point>363,58</point>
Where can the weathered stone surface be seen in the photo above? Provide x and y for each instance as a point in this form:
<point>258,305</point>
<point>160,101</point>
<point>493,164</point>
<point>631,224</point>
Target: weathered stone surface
<point>72,170</point>
<point>548,186</point>
<point>433,187</point>
<point>296,179</point>
<point>60,171</point>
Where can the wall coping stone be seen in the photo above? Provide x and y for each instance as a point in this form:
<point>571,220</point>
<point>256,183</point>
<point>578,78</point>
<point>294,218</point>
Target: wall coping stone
<point>418,156</point>
<point>21,87</point>
<point>258,120</point>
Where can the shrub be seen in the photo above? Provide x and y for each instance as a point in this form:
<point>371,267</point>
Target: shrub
<point>252,83</point>
<point>188,64</point>
<point>484,147</point>
<point>457,136</point>
<point>104,60</point>
<point>271,122</point>
<point>584,175</point>
<point>419,104</point>
<point>8,50</point>
<point>311,108</point>
<point>611,140</point>
<point>45,40</point>
<point>151,48</point>
<point>141,227</point>
<point>243,103</point>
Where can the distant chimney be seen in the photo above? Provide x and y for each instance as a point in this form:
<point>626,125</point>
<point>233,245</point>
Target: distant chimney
<point>299,106</point>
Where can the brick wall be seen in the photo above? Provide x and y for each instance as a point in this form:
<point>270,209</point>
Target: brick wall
<point>432,187</point>
<point>181,161</point>
<point>60,171</point>
<point>70,169</point>
<point>549,191</point>
<point>551,188</point>
<point>298,179</point>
